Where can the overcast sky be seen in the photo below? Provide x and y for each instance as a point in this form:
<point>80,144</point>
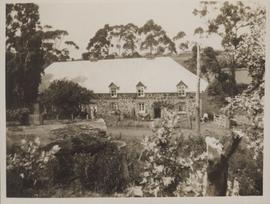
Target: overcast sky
<point>82,20</point>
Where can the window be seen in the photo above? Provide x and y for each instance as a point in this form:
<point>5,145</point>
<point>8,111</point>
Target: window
<point>141,92</point>
<point>140,89</point>
<point>141,107</point>
<point>113,92</point>
<point>114,106</point>
<point>181,107</point>
<point>182,90</point>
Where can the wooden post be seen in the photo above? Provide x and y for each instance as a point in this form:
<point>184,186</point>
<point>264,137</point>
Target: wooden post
<point>72,116</point>
<point>189,120</point>
<point>198,92</point>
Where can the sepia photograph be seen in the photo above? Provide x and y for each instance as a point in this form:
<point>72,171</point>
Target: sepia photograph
<point>128,99</point>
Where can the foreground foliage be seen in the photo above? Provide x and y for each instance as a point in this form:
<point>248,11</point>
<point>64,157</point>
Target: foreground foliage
<point>174,163</point>
<point>80,160</point>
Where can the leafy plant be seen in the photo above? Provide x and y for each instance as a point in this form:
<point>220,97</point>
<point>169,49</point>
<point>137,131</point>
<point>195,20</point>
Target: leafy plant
<point>172,168</point>
<point>29,168</point>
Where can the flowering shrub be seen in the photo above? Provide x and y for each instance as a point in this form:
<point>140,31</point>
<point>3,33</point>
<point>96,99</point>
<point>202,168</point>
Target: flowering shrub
<point>252,104</point>
<point>233,188</point>
<point>251,53</point>
<point>30,164</point>
<point>172,167</point>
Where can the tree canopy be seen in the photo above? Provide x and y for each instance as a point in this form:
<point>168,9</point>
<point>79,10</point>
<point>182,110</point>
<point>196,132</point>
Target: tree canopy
<point>128,41</point>
<point>24,54</point>
<point>29,48</point>
<point>233,22</point>
<point>66,97</point>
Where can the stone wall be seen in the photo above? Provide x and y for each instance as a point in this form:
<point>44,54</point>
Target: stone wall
<point>127,105</point>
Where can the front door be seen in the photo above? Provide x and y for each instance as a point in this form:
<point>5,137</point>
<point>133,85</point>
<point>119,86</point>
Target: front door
<point>157,112</point>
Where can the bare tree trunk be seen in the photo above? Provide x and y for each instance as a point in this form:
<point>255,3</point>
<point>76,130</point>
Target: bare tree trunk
<point>217,169</point>
<point>198,92</point>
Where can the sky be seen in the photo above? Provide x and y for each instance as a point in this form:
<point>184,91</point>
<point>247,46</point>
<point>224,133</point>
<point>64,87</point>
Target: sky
<point>83,19</point>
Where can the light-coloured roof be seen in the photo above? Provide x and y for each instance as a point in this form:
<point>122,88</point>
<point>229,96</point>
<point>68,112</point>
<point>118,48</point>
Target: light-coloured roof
<point>241,75</point>
<point>160,74</point>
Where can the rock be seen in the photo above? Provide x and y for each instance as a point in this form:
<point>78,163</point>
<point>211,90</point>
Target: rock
<point>135,191</point>
<point>101,125</point>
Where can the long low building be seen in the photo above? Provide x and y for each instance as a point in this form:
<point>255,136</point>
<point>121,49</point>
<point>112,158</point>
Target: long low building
<point>135,87</point>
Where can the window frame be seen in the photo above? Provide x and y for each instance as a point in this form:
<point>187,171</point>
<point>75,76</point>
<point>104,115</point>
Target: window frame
<point>181,90</point>
<point>142,107</point>
<point>114,106</point>
<point>140,91</point>
<point>113,92</point>
<point>181,107</point>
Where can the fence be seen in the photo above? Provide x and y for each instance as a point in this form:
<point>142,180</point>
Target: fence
<point>222,121</point>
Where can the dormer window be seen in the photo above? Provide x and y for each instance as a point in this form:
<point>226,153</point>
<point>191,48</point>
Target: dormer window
<point>140,89</point>
<point>113,90</point>
<point>181,89</point>
<point>141,92</point>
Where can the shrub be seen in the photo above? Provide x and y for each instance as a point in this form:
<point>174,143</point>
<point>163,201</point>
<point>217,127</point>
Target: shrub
<point>172,167</point>
<point>21,115</point>
<point>89,156</point>
<point>66,97</point>
<point>251,103</point>
<point>28,168</point>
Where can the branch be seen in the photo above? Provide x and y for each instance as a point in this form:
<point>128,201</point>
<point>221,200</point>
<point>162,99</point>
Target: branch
<point>236,139</point>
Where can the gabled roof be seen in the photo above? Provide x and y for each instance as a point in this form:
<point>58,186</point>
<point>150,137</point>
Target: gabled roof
<point>181,83</point>
<point>140,84</point>
<point>160,74</point>
<point>112,85</point>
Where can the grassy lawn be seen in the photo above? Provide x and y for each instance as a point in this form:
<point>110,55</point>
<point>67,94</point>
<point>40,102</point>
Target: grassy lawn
<point>16,133</point>
<point>136,134</point>
<point>131,135</point>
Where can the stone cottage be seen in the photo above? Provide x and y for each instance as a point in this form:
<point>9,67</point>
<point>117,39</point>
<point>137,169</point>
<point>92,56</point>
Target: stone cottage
<point>131,87</point>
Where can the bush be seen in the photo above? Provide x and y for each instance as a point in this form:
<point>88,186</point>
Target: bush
<point>88,155</point>
<point>248,171</point>
<point>21,115</point>
<point>81,158</point>
<point>28,168</point>
<point>172,167</point>
<point>66,97</point>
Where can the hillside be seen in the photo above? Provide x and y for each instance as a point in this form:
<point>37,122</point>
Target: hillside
<point>182,58</point>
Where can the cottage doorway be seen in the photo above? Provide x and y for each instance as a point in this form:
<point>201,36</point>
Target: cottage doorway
<point>157,112</point>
